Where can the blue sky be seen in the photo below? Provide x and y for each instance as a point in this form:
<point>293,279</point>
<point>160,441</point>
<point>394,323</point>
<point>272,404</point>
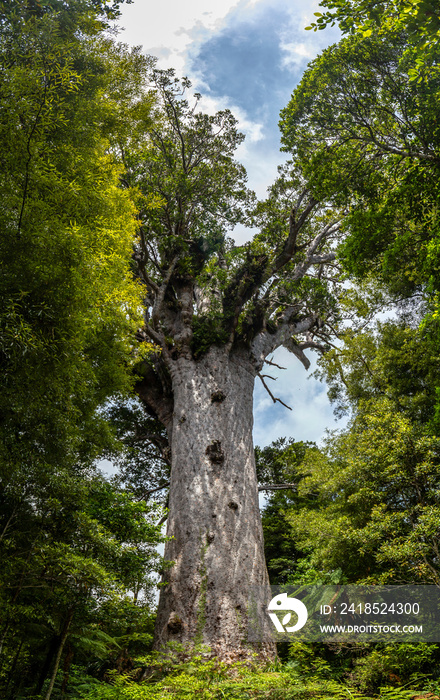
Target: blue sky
<point>247,56</point>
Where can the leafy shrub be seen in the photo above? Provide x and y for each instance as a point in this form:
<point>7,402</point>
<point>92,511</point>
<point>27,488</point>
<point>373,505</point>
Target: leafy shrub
<point>394,665</point>
<point>306,661</point>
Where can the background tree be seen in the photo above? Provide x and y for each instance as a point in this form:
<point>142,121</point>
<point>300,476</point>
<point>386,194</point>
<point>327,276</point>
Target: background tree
<point>92,14</point>
<point>420,19</point>
<point>70,306</point>
<point>366,134</point>
<point>69,312</point>
<point>80,548</point>
<point>280,464</point>
<point>376,483</point>
<point>363,132</point>
<point>144,460</point>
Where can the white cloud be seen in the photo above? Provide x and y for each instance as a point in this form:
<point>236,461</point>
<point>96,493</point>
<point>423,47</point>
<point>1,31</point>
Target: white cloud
<point>165,29</point>
<point>296,53</point>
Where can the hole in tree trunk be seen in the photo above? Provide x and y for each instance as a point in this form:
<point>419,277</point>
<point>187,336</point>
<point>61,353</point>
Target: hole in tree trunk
<point>174,623</point>
<point>218,397</point>
<point>215,452</point>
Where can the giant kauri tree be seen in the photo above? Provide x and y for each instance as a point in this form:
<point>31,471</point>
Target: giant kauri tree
<point>214,314</point>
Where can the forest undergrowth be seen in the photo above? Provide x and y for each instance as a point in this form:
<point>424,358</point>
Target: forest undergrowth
<point>302,671</point>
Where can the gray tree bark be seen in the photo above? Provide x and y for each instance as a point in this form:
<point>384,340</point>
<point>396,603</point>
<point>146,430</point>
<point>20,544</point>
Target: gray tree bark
<point>214,519</point>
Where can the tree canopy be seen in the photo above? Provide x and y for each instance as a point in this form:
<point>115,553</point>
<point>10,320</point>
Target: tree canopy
<point>70,304</point>
<point>90,13</point>
<point>420,21</point>
<point>367,136</point>
<point>193,191</point>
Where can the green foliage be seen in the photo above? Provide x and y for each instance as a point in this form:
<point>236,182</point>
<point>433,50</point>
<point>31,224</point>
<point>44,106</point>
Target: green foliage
<point>70,305</point>
<point>200,289</point>
<point>74,556</point>
<point>367,137</point>
<point>142,454</point>
<point>394,665</point>
<point>207,332</point>
<point>96,144</point>
<point>213,680</point>
<point>396,361</point>
<point>370,518</point>
<point>89,14</point>
<point>71,544</point>
<point>420,20</point>
<point>280,463</point>
<point>373,488</point>
<point>183,164</point>
<point>366,508</point>
<point>307,661</point>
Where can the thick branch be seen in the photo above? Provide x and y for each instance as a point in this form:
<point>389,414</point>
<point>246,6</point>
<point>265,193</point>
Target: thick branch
<point>289,248</point>
<point>265,343</point>
<point>292,346</point>
<point>256,272</point>
<point>311,258</point>
<point>158,304</point>
<point>147,332</point>
<point>185,294</point>
<point>322,259</point>
<point>247,280</point>
<point>311,344</point>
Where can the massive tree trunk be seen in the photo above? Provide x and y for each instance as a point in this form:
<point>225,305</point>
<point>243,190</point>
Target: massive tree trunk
<point>214,519</point>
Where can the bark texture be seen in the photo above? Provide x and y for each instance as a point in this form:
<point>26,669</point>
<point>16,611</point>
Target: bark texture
<point>217,546</point>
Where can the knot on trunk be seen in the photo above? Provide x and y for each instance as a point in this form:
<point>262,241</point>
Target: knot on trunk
<point>218,397</point>
<point>215,453</point>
